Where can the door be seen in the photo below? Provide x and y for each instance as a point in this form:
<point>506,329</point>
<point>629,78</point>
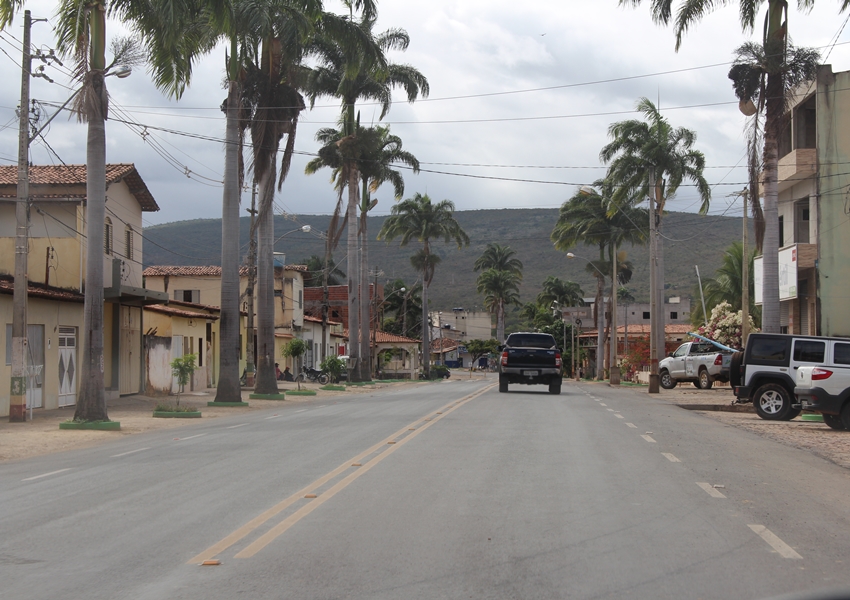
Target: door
<point>677,362</point>
<point>35,366</point>
<point>67,366</point>
<point>130,350</point>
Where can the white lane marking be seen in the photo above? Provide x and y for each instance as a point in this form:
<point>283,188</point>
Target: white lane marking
<point>649,439</point>
<point>301,410</point>
<point>130,452</point>
<point>46,474</point>
<point>602,404</point>
<point>619,416</point>
<point>610,409</point>
<point>632,425</point>
<point>271,417</point>
<point>710,490</point>
<point>670,457</point>
<point>235,426</point>
<point>781,547</point>
<point>191,437</point>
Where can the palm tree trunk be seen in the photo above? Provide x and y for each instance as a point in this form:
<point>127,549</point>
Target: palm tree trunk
<point>91,404</point>
<point>353,278</point>
<point>770,321</point>
<point>426,331</point>
<point>266,380</point>
<point>661,331</point>
<point>600,328</point>
<point>365,302</point>
<point>228,389</point>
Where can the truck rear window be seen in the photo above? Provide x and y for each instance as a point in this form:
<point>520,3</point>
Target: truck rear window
<point>842,354</point>
<point>530,341</point>
<point>768,349</point>
<point>809,351</point>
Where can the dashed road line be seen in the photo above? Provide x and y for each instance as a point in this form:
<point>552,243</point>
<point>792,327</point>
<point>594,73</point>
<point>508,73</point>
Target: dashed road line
<point>271,417</point>
<point>711,490</point>
<point>235,426</point>
<point>774,542</point>
<point>46,474</point>
<point>130,452</point>
<point>602,404</point>
<point>610,409</point>
<point>301,410</point>
<point>190,437</point>
<point>648,438</point>
<point>632,425</point>
<point>619,416</point>
<point>670,457</point>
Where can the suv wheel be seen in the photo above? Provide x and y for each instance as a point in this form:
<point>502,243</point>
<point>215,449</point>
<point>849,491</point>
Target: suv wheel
<point>705,382</point>
<point>503,384</point>
<point>773,402</point>
<point>834,422</point>
<point>845,416</point>
<point>667,382</point>
<point>735,369</point>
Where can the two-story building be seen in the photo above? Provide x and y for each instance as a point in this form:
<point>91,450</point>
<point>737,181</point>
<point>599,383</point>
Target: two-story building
<point>814,204</point>
<point>56,268</point>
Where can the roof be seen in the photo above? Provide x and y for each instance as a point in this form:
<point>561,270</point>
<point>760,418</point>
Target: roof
<point>318,320</point>
<point>384,337</point>
<point>201,271</point>
<point>195,305</point>
<point>39,290</point>
<point>447,344</point>
<point>44,177</point>
<point>643,329</point>
<point>177,312</point>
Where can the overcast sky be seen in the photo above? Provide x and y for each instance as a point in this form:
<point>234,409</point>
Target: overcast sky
<point>521,99</point>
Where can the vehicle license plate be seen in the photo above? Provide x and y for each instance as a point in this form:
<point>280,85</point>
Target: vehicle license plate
<point>532,373</point>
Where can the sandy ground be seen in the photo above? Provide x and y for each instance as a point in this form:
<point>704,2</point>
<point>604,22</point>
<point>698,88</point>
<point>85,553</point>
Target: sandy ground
<point>43,436</point>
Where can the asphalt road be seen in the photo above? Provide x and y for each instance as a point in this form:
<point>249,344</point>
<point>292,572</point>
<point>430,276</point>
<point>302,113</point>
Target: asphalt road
<point>458,492</point>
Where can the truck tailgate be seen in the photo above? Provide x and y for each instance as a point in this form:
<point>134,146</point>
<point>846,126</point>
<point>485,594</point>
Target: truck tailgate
<point>530,357</point>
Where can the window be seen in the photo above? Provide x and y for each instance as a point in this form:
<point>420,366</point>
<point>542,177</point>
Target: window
<point>674,315</point>
<point>200,352</point>
<point>842,354</point>
<point>107,236</point>
<point>681,351</point>
<point>193,296</point>
<point>809,351</point>
<point>646,314</point>
<point>300,298</point>
<point>769,349</point>
<point>781,231</point>
<point>128,243</point>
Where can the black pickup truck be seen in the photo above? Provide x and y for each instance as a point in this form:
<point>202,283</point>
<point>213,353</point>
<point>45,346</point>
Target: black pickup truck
<point>530,358</point>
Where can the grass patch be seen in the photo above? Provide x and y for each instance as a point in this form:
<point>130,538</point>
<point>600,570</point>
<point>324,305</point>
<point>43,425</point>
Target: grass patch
<point>332,388</point>
<point>301,392</point>
<point>96,425</point>
<point>175,408</point>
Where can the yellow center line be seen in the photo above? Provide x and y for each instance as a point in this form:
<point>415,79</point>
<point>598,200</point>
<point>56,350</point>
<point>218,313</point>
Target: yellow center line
<point>281,527</point>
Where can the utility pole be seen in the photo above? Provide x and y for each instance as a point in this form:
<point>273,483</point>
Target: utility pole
<point>249,291</point>
<point>18,389</point>
<point>653,290</point>
<point>613,367</point>
<point>745,283</point>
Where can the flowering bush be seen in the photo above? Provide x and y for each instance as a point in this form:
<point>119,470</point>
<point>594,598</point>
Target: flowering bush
<point>724,326</point>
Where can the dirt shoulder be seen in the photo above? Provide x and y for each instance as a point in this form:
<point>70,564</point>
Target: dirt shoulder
<point>135,413</point>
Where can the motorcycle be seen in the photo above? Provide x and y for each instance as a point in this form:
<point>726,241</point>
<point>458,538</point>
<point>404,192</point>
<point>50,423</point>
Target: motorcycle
<point>311,374</point>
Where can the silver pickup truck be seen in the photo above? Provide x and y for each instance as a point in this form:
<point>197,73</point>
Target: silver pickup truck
<point>700,362</point>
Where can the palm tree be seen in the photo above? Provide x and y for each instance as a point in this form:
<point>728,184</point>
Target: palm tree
<point>624,295</point>
<point>564,293</point>
<point>353,76</point>
<point>726,285</point>
<point>650,158</point>
<point>501,258</point>
<point>500,289</point>
<point>315,269</point>
<point>270,92</point>
<point>775,42</point>
<point>419,219</point>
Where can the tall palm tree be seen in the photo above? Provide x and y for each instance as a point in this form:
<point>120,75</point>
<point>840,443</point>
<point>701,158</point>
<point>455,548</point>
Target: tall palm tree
<point>500,290</point>
<point>651,158</point>
<point>273,77</point>
<point>501,258</point>
<point>775,42</point>
<point>315,269</point>
<point>353,76</point>
<point>419,219</point>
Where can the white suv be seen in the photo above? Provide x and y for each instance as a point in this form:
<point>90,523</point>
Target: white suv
<point>826,388</point>
<point>766,372</point>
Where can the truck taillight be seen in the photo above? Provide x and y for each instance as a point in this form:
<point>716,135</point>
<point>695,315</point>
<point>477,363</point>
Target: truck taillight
<point>718,361</point>
<point>504,359</point>
<point>818,374</point>
<point>558,359</point>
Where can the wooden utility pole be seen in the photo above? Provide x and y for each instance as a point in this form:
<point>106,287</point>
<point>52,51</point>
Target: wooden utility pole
<point>18,389</point>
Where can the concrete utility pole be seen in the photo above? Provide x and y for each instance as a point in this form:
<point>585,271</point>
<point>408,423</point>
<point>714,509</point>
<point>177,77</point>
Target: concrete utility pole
<point>613,367</point>
<point>249,291</point>
<point>18,390</point>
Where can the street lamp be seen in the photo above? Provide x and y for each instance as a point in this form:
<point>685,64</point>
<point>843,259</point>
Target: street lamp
<point>600,325</point>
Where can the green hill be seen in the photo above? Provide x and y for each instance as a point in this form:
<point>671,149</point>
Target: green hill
<point>689,240</point>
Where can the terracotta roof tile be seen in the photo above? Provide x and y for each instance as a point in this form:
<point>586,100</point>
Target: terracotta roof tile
<point>44,177</point>
<point>39,290</point>
<point>177,312</point>
<point>202,271</point>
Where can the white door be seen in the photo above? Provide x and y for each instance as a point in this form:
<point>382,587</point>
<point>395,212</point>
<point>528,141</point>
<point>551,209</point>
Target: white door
<point>35,366</point>
<point>67,366</point>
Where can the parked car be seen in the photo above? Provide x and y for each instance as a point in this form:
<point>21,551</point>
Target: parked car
<point>701,363</point>
<point>530,358</point>
<point>766,372</point>
<point>825,389</point>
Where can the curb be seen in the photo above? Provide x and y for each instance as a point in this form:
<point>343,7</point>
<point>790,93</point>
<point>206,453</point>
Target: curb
<point>97,425</point>
<point>736,408</point>
<point>167,414</point>
<point>227,404</point>
<point>267,397</point>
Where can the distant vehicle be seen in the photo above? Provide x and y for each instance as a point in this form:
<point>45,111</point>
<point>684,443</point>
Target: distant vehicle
<point>530,358</point>
<point>825,389</point>
<point>701,363</point>
<point>766,372</point>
